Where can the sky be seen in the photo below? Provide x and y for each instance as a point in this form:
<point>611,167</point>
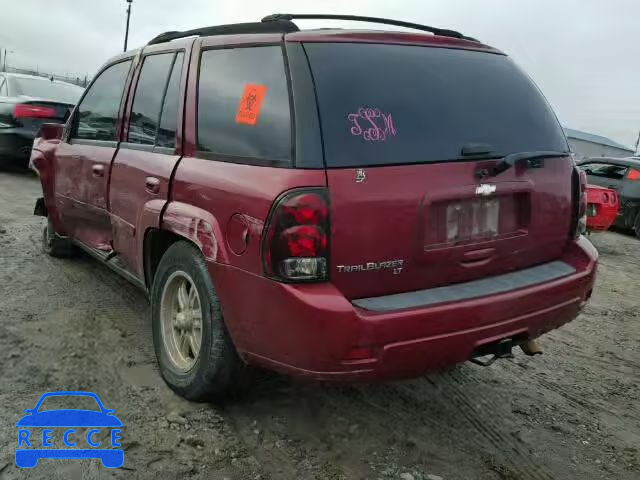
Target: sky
<point>583,54</point>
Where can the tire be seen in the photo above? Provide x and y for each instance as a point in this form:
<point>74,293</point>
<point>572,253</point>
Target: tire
<point>636,225</point>
<point>55,245</point>
<point>215,371</point>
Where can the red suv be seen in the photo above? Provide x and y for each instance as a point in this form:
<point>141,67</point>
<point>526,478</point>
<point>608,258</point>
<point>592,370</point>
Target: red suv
<point>337,204</point>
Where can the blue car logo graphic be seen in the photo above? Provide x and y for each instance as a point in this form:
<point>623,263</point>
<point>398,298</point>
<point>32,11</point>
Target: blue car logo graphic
<point>32,447</point>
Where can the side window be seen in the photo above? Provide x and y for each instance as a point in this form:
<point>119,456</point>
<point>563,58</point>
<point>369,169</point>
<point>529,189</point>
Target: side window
<point>169,120</point>
<point>243,103</point>
<point>98,111</point>
<point>145,114</point>
<point>3,87</point>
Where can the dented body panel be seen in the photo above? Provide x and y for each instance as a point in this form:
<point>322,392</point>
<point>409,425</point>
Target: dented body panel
<point>225,191</point>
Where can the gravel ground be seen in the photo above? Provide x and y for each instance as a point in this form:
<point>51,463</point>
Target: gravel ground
<point>572,413</point>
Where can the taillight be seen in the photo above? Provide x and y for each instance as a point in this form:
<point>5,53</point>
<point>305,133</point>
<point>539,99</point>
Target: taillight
<point>24,110</point>
<point>579,222</point>
<point>633,174</point>
<point>609,198</point>
<point>296,241</point>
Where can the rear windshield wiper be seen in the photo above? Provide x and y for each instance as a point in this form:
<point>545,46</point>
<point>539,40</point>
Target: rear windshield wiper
<point>486,151</point>
<point>513,158</point>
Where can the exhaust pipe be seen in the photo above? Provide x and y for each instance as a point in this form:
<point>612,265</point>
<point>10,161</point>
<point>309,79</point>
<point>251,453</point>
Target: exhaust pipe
<point>531,348</point>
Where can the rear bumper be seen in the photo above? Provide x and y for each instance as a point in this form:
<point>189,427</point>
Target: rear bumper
<point>603,219</point>
<point>310,330</point>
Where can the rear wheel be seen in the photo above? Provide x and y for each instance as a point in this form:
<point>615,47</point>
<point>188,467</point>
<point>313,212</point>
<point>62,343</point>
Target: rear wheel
<point>55,245</point>
<point>195,353</point>
<point>636,225</point>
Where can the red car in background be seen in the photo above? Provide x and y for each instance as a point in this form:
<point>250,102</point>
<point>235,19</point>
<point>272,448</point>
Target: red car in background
<point>622,175</point>
<point>602,208</point>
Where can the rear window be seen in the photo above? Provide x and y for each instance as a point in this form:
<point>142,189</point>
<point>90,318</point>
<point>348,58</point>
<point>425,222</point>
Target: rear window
<point>46,89</point>
<point>606,170</point>
<point>395,104</point>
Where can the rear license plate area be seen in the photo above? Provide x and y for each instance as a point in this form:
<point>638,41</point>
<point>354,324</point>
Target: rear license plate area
<point>472,220</point>
<point>475,220</point>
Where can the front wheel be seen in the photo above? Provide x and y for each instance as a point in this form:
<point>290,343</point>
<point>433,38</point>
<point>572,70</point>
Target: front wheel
<point>55,245</point>
<point>196,356</point>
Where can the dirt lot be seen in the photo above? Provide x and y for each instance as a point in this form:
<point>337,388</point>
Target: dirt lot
<point>573,413</point>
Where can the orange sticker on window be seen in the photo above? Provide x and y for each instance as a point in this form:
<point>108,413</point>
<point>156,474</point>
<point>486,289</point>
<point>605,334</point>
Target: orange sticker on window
<point>250,104</point>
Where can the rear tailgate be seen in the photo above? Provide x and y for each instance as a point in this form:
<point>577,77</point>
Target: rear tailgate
<point>407,209</point>
<point>412,227</point>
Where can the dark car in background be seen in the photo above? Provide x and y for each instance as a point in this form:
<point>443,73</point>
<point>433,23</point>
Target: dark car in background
<point>26,102</point>
<point>623,176</point>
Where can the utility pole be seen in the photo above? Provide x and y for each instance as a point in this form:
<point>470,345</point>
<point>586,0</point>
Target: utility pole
<point>4,64</point>
<point>126,34</point>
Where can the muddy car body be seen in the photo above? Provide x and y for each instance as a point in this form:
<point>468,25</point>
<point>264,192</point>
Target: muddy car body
<point>320,202</point>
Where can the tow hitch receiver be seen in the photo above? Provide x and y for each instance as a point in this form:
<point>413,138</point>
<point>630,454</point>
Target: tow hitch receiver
<point>501,349</point>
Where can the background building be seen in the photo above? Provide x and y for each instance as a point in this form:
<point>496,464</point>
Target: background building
<point>589,145</point>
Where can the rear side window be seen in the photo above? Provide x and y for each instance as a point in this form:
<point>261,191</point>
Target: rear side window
<point>147,103</point>
<point>169,120</point>
<point>394,104</point>
<point>243,103</point>
<point>98,111</point>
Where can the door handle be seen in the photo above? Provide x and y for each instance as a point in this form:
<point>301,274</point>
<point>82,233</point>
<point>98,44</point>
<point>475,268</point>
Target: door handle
<point>152,184</point>
<point>98,170</point>
<point>476,258</point>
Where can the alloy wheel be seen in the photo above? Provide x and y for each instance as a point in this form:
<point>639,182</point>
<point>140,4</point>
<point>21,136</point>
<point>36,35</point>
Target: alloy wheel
<point>181,320</point>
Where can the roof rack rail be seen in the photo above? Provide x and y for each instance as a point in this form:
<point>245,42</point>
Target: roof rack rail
<point>279,17</point>
<point>275,26</point>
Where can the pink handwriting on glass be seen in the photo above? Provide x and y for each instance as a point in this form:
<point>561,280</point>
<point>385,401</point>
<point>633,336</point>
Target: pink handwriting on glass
<point>372,124</point>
